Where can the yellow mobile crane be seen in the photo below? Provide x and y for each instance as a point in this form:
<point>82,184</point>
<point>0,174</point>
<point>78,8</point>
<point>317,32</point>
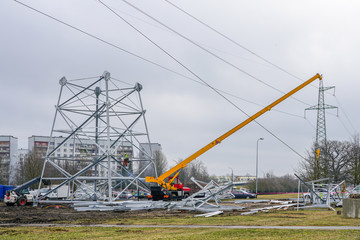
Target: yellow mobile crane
<point>173,189</point>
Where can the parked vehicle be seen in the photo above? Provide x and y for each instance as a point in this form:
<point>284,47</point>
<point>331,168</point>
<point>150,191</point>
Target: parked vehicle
<point>142,195</point>
<point>58,194</point>
<point>321,192</point>
<point>356,190</point>
<point>124,195</point>
<point>20,195</point>
<point>243,194</point>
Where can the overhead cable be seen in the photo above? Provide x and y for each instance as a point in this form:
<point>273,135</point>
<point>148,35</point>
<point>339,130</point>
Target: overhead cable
<point>193,73</point>
<point>250,51</point>
<point>206,50</point>
<point>343,110</point>
<point>137,56</point>
<point>233,41</point>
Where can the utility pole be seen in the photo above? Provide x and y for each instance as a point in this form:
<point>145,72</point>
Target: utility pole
<point>320,128</point>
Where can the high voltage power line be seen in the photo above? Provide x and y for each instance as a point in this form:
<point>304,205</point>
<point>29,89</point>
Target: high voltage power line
<point>257,55</point>
<point>170,70</point>
<point>140,57</point>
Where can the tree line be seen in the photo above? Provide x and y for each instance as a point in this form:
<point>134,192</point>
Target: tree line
<point>337,160</point>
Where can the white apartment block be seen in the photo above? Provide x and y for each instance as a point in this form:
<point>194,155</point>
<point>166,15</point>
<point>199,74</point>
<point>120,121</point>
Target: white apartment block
<point>145,152</point>
<point>81,150</point>
<point>8,158</point>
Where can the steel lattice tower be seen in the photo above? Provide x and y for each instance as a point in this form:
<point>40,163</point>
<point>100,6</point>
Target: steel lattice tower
<point>320,126</point>
<point>99,124</point>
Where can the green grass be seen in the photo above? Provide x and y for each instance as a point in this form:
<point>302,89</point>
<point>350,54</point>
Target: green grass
<point>273,218</point>
<point>169,233</point>
<point>279,196</point>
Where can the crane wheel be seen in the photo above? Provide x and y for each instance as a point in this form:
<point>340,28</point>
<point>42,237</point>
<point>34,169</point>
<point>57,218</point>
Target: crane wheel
<point>21,201</point>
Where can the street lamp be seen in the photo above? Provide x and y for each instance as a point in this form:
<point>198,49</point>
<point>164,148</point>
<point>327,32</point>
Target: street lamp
<point>257,158</point>
<point>232,174</point>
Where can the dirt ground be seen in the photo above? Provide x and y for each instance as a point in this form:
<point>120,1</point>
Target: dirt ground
<point>58,214</point>
<point>62,213</point>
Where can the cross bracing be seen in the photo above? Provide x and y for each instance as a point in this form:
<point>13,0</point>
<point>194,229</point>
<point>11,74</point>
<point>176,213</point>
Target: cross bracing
<point>94,142</point>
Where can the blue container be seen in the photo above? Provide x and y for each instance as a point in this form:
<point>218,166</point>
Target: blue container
<point>2,191</point>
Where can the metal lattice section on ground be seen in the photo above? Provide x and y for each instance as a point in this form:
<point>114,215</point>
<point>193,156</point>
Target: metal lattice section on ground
<point>94,149</point>
<point>322,193</point>
<point>212,191</point>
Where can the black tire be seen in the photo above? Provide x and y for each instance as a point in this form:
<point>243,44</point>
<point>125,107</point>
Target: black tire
<point>186,195</point>
<point>22,201</point>
<point>10,204</point>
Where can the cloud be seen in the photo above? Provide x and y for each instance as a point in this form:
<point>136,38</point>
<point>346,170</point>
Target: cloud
<point>183,115</point>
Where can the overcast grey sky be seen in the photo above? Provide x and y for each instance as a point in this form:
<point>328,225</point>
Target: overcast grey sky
<point>303,37</point>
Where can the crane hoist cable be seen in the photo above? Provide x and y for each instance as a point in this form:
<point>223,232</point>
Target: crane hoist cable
<point>175,170</point>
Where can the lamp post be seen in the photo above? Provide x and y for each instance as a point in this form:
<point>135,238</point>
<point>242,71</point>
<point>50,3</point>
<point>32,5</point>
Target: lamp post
<point>232,174</point>
<point>257,158</point>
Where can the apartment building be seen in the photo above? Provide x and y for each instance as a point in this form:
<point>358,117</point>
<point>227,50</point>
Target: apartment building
<point>77,151</point>
<point>8,159</point>
<point>145,152</point>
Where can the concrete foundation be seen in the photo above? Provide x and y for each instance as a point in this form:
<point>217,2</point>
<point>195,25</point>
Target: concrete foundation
<point>351,208</point>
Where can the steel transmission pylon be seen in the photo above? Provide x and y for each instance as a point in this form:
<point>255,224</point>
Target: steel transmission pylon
<point>320,127</point>
<point>94,147</point>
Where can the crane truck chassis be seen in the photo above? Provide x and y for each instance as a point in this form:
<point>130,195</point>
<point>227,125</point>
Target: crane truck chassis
<point>172,191</point>
<point>158,193</point>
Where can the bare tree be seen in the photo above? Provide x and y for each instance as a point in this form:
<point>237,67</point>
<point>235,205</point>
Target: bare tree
<point>30,168</point>
<point>160,165</point>
<point>339,156</point>
<point>272,183</point>
<point>160,162</point>
<point>354,167</point>
<point>195,169</point>
<point>334,162</point>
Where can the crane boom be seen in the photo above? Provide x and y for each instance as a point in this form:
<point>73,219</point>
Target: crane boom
<point>181,165</point>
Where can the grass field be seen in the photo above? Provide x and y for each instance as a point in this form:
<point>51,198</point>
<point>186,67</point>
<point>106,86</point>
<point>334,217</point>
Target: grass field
<point>272,218</point>
<point>168,233</point>
<point>279,196</point>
